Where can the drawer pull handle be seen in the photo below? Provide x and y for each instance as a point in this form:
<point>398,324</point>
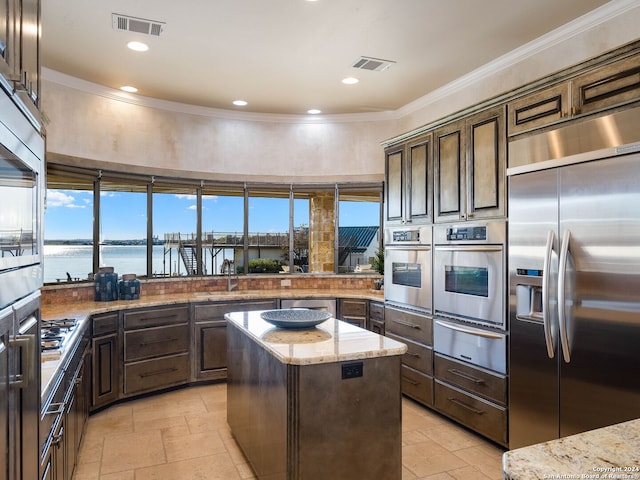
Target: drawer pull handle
<point>158,372</point>
<point>55,409</point>
<point>414,355</point>
<point>466,376</point>
<point>406,324</point>
<point>55,441</point>
<point>157,317</point>
<point>464,405</point>
<point>412,382</point>
<point>162,340</point>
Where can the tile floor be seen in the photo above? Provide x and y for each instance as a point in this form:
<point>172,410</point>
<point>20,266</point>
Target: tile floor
<point>183,435</point>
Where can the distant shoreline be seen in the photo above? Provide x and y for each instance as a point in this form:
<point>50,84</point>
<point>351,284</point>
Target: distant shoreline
<point>104,242</point>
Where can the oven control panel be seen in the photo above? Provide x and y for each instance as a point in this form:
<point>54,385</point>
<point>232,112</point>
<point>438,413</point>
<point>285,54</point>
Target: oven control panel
<point>406,236</point>
<point>466,233</point>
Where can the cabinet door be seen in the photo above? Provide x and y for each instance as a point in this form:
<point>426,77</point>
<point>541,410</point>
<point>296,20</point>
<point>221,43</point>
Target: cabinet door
<point>211,348</point>
<point>395,184</point>
<point>486,164</point>
<point>449,173</point>
<point>419,173</point>
<point>539,109</point>
<point>608,86</point>
<point>7,41</point>
<point>29,45</point>
<point>106,375</point>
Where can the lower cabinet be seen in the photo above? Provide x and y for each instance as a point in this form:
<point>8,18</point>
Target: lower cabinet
<point>210,335</point>
<point>354,311</point>
<point>64,415</point>
<point>473,396</point>
<point>156,346</point>
<point>376,317</point>
<point>415,331</point>
<point>105,360</point>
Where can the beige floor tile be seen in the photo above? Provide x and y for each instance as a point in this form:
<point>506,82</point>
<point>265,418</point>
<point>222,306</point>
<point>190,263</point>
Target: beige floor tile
<point>428,458</point>
<point>145,424</point>
<point>183,435</point>
<point>211,467</point>
<point>466,473</point>
<point>128,475</point>
<point>131,451</point>
<point>488,464</point>
<point>193,446</point>
<point>87,471</point>
<point>452,437</point>
<point>207,421</point>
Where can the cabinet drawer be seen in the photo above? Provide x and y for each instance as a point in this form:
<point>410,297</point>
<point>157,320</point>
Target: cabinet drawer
<point>216,311</point>
<point>376,326</point>
<point>478,414</point>
<point>353,308</point>
<point>155,374</point>
<point>409,325</point>
<point>417,385</point>
<point>105,324</point>
<point>156,341</point>
<point>376,311</point>
<point>485,384</point>
<point>418,356</point>
<point>155,317</point>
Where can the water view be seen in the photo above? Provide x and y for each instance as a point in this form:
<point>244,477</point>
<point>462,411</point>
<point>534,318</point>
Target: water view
<point>76,262</point>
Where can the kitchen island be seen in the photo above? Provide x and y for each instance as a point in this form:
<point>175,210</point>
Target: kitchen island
<point>316,403</point>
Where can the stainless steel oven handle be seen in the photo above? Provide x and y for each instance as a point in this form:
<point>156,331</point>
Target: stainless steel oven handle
<point>562,277</point>
<point>469,248</point>
<point>470,331</point>
<point>546,275</point>
<point>26,345</point>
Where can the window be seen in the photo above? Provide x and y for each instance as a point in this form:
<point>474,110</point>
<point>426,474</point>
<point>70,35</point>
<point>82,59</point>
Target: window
<point>198,227</point>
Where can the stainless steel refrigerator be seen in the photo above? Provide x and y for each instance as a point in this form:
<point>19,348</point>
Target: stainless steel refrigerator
<point>574,270</point>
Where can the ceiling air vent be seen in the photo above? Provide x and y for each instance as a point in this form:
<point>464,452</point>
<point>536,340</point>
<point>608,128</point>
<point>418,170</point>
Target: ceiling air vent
<point>373,64</point>
<point>138,25</point>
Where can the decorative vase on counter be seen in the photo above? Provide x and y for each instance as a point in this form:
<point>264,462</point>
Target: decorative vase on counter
<point>106,282</point>
<point>129,287</point>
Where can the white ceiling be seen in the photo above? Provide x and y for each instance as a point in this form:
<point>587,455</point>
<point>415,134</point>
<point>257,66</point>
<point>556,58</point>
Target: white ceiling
<point>287,56</point>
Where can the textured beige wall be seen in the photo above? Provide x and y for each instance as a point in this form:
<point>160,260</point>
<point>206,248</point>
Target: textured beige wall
<point>92,126</point>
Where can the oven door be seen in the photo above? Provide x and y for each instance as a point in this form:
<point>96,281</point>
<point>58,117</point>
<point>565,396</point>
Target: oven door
<point>407,277</point>
<point>468,283</point>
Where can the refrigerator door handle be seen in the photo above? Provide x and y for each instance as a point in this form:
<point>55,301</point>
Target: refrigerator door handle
<point>562,275</point>
<point>546,313</point>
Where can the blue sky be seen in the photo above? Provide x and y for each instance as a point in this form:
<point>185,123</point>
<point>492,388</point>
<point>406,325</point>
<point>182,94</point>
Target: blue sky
<point>69,214</point>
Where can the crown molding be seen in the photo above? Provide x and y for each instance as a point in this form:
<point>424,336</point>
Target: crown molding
<point>576,27</point>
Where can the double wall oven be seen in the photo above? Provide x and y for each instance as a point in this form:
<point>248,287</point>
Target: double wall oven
<point>469,274</point>
<point>21,198</point>
<point>407,276</point>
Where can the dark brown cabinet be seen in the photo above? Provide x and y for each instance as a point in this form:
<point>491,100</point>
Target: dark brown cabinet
<point>156,349</point>
<point>105,346</point>
<point>470,168</point>
<point>354,311</point>
<point>20,57</point>
<point>376,317</point>
<point>409,172</point>
<point>415,331</point>
<point>210,336</point>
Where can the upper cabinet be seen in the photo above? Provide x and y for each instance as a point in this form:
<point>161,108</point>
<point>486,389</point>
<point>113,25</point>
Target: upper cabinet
<point>608,86</point>
<point>409,173</point>
<point>19,54</point>
<point>470,167</point>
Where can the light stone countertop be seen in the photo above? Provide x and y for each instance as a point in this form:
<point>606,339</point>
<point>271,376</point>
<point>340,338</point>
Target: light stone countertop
<point>82,311</point>
<point>605,453</point>
<point>330,341</point>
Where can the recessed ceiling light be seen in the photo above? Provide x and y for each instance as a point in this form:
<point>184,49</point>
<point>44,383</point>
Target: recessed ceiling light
<point>239,103</point>
<point>314,111</point>
<point>350,80</point>
<point>138,46</point>
<point>129,89</point>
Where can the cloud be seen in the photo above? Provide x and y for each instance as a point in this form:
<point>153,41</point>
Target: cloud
<point>58,198</point>
<point>192,207</point>
<point>183,196</point>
